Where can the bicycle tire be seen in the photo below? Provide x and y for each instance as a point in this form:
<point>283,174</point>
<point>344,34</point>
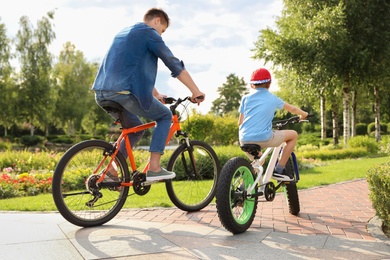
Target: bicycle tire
<point>235,211</point>
<point>69,184</point>
<point>188,191</point>
<point>291,190</point>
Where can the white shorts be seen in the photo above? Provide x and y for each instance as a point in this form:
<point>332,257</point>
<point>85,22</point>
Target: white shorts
<point>276,140</point>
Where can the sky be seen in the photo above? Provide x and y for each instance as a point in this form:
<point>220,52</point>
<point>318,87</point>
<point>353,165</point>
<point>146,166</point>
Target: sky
<point>214,38</point>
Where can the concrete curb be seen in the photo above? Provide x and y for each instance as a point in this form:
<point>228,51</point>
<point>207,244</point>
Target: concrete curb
<point>374,227</point>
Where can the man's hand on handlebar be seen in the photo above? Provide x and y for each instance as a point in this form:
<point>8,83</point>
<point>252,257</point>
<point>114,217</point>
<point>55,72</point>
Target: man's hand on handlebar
<point>197,98</point>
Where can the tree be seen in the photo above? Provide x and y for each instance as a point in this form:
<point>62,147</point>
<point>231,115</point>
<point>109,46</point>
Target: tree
<point>370,36</point>
<point>74,77</point>
<point>35,68</point>
<point>230,93</point>
<point>7,86</point>
<point>308,40</point>
<point>321,41</point>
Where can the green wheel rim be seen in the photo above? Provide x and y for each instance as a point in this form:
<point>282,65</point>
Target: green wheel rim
<point>243,175</point>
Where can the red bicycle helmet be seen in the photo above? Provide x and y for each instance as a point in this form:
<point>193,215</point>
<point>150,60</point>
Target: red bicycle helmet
<point>260,76</point>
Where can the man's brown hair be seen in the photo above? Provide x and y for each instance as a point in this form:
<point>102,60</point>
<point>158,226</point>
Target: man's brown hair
<point>156,12</point>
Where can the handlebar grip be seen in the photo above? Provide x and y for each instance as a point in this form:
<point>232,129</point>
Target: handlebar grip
<point>199,98</point>
<point>169,100</point>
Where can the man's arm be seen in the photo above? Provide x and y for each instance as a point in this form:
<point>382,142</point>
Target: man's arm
<point>186,79</point>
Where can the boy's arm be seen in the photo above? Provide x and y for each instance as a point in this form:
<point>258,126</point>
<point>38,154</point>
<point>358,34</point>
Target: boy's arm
<point>295,110</point>
<point>240,119</point>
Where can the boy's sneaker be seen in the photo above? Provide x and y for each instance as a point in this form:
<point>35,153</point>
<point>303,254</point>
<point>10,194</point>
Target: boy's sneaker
<point>161,175</point>
<point>282,176</point>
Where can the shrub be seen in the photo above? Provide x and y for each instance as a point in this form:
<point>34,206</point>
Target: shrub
<point>378,179</point>
<point>384,145</point>
<point>311,138</point>
<point>371,128</point>
<point>225,153</point>
<point>361,129</point>
<point>325,155</point>
<point>364,141</point>
<point>29,140</point>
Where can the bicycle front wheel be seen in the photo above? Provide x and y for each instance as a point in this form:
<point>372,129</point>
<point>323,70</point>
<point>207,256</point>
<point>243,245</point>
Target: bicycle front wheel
<point>291,191</point>
<point>75,193</point>
<point>197,169</point>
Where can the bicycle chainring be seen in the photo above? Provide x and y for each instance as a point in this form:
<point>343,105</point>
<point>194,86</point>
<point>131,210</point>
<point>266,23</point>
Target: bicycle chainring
<point>138,180</point>
<point>269,191</point>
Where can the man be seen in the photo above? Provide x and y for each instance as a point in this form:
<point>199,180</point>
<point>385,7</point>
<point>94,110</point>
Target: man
<point>127,76</point>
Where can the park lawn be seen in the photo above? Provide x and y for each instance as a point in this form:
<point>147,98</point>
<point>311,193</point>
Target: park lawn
<point>338,171</point>
<point>333,172</point>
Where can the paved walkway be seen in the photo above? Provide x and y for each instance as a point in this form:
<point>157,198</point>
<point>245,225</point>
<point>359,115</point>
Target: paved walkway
<point>335,222</point>
<point>341,210</point>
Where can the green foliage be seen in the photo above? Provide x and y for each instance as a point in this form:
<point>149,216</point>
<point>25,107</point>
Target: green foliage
<point>384,145</point>
<point>311,138</point>
<point>199,126</point>
<point>230,93</point>
<point>224,132</point>
<point>371,128</point>
<point>361,129</point>
<point>225,153</point>
<point>336,154</point>
<point>364,141</point>
<point>378,178</point>
<point>29,140</point>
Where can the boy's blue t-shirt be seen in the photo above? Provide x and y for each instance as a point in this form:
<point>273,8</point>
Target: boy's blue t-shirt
<point>259,110</point>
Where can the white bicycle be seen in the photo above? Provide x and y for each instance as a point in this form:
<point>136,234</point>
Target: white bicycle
<point>241,183</point>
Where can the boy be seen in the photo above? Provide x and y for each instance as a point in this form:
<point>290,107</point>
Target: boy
<point>257,111</point>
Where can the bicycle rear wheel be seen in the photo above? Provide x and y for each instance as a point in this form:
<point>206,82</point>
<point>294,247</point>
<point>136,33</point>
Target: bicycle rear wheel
<point>78,204</point>
<point>291,191</point>
<point>197,169</point>
<point>236,212</point>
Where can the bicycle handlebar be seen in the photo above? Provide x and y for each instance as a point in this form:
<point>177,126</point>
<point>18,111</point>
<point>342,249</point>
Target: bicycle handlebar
<point>292,120</point>
<point>176,102</point>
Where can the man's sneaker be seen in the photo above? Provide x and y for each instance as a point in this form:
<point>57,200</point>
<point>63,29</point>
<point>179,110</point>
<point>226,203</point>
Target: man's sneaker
<point>282,176</point>
<point>161,175</point>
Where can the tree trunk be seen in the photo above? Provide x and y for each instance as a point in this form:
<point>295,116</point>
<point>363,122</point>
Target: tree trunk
<point>32,129</point>
<point>335,123</point>
<point>377,114</point>
<point>346,111</point>
<point>323,117</point>
<point>353,115</point>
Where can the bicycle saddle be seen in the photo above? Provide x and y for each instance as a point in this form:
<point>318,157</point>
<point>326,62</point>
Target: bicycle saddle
<point>252,149</point>
<point>115,110</point>
<point>111,106</point>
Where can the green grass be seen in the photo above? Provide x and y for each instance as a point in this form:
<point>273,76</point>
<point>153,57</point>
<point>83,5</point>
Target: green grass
<point>334,172</point>
<point>338,171</point>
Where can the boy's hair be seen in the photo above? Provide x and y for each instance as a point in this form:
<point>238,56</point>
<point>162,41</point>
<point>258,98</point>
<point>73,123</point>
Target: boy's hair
<point>263,85</point>
<point>156,12</point>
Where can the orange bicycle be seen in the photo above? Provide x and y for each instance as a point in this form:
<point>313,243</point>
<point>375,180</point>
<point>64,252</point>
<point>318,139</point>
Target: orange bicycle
<point>84,197</point>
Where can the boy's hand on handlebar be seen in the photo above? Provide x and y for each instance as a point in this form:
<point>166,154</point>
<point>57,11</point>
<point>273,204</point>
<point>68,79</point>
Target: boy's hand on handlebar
<point>303,117</point>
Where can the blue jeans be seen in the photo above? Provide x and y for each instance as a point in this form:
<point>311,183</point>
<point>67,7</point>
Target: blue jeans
<point>157,112</point>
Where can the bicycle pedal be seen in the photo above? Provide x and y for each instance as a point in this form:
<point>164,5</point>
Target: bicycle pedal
<point>148,183</point>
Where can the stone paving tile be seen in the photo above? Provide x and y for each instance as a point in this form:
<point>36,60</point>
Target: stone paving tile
<point>341,210</point>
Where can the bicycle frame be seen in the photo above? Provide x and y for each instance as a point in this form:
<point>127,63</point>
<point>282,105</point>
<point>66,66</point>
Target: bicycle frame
<point>257,165</point>
<point>175,128</point>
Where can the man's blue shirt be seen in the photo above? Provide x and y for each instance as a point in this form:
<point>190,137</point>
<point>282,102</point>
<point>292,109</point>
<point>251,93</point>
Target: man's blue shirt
<point>259,109</point>
<point>131,63</point>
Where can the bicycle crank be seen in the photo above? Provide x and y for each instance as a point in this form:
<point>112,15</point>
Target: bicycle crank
<point>139,180</point>
<point>269,191</point>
